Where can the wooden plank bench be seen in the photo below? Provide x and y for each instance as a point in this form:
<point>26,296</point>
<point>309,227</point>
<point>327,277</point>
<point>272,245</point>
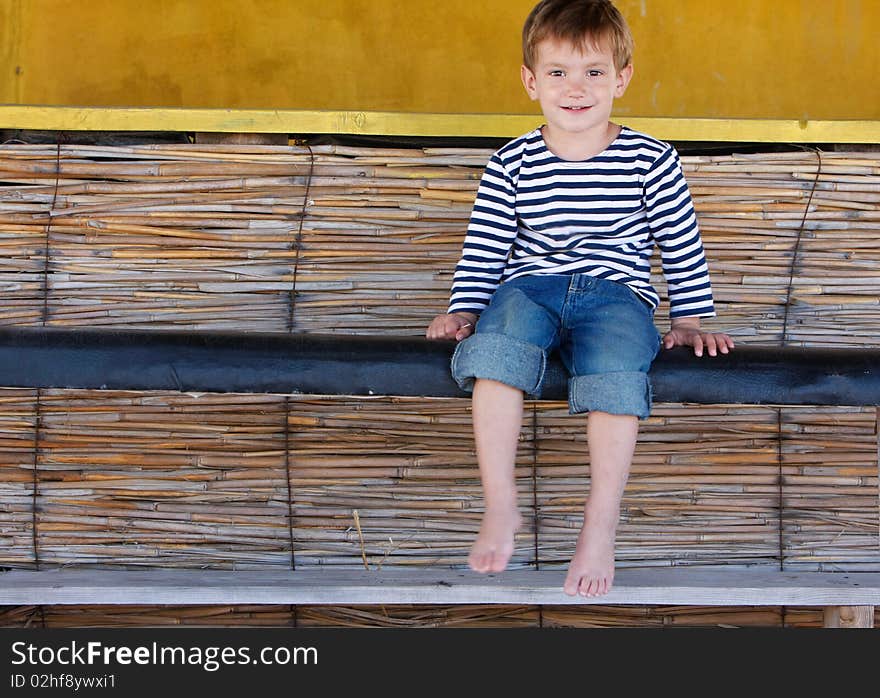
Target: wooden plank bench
<point>332,365</point>
<point>848,598</point>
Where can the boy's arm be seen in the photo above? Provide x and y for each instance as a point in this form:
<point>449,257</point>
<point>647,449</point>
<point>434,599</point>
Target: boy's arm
<point>673,222</point>
<point>490,234</point>
<point>491,231</point>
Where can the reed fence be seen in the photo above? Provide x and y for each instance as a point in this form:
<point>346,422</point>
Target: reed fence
<point>332,239</point>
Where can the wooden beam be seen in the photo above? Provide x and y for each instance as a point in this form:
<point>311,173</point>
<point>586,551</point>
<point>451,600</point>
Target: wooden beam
<point>210,138</point>
<point>669,586</point>
<point>849,617</point>
<point>293,121</point>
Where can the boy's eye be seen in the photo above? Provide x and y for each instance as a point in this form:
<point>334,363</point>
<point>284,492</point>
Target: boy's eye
<point>594,73</point>
<point>557,73</point>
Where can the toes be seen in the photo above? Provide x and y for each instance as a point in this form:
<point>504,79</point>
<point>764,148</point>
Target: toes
<point>489,560</point>
<point>497,563</point>
<point>477,561</point>
<point>588,586</point>
<point>499,560</point>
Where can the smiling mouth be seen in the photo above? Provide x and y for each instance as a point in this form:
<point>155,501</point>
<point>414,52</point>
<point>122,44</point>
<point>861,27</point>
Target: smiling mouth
<point>576,108</point>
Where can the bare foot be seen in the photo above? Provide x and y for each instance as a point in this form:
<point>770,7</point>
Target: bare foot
<point>494,545</point>
<point>591,571</point>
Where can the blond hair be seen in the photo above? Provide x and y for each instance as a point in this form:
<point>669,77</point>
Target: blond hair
<point>580,22</point>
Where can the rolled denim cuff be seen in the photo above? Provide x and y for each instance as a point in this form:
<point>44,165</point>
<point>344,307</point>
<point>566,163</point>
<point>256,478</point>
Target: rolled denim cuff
<point>500,358</point>
<point>619,392</point>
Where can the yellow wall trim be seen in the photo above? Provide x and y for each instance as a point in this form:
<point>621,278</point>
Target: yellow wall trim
<point>416,124</point>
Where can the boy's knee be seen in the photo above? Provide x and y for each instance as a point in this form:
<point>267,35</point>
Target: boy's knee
<point>619,392</point>
<point>500,358</point>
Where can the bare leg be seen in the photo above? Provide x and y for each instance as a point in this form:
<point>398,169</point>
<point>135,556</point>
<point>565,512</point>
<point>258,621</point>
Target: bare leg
<point>497,417</point>
<point>612,440</point>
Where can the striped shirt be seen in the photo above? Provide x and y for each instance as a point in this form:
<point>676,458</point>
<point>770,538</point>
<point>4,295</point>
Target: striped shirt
<point>538,214</point>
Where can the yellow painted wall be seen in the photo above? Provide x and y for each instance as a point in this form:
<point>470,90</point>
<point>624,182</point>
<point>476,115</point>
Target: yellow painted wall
<point>790,59</point>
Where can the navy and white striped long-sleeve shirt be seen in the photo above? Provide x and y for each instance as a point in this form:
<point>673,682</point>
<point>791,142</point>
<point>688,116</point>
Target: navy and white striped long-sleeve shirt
<point>538,214</point>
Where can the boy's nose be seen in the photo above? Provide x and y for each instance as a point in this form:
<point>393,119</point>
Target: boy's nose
<point>577,84</point>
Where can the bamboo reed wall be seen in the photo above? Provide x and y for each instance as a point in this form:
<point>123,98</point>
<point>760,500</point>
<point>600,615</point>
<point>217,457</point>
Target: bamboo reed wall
<point>331,239</point>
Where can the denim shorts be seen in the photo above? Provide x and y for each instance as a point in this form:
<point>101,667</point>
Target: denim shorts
<point>603,331</point>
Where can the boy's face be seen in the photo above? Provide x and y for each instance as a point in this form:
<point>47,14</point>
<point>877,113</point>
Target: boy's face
<point>576,90</point>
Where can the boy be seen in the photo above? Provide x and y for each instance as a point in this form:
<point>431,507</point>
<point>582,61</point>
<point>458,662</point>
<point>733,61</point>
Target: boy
<point>557,257</point>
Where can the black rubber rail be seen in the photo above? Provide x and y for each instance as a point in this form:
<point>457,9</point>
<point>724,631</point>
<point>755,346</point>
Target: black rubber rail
<point>404,366</point>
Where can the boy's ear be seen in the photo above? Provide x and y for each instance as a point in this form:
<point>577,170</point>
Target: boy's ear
<point>623,78</point>
<point>528,81</point>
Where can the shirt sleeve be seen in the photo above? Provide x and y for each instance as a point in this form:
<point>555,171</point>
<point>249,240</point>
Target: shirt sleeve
<point>490,235</point>
<point>673,224</point>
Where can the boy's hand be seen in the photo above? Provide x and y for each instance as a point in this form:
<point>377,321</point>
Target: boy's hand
<point>455,326</point>
<point>687,332</point>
